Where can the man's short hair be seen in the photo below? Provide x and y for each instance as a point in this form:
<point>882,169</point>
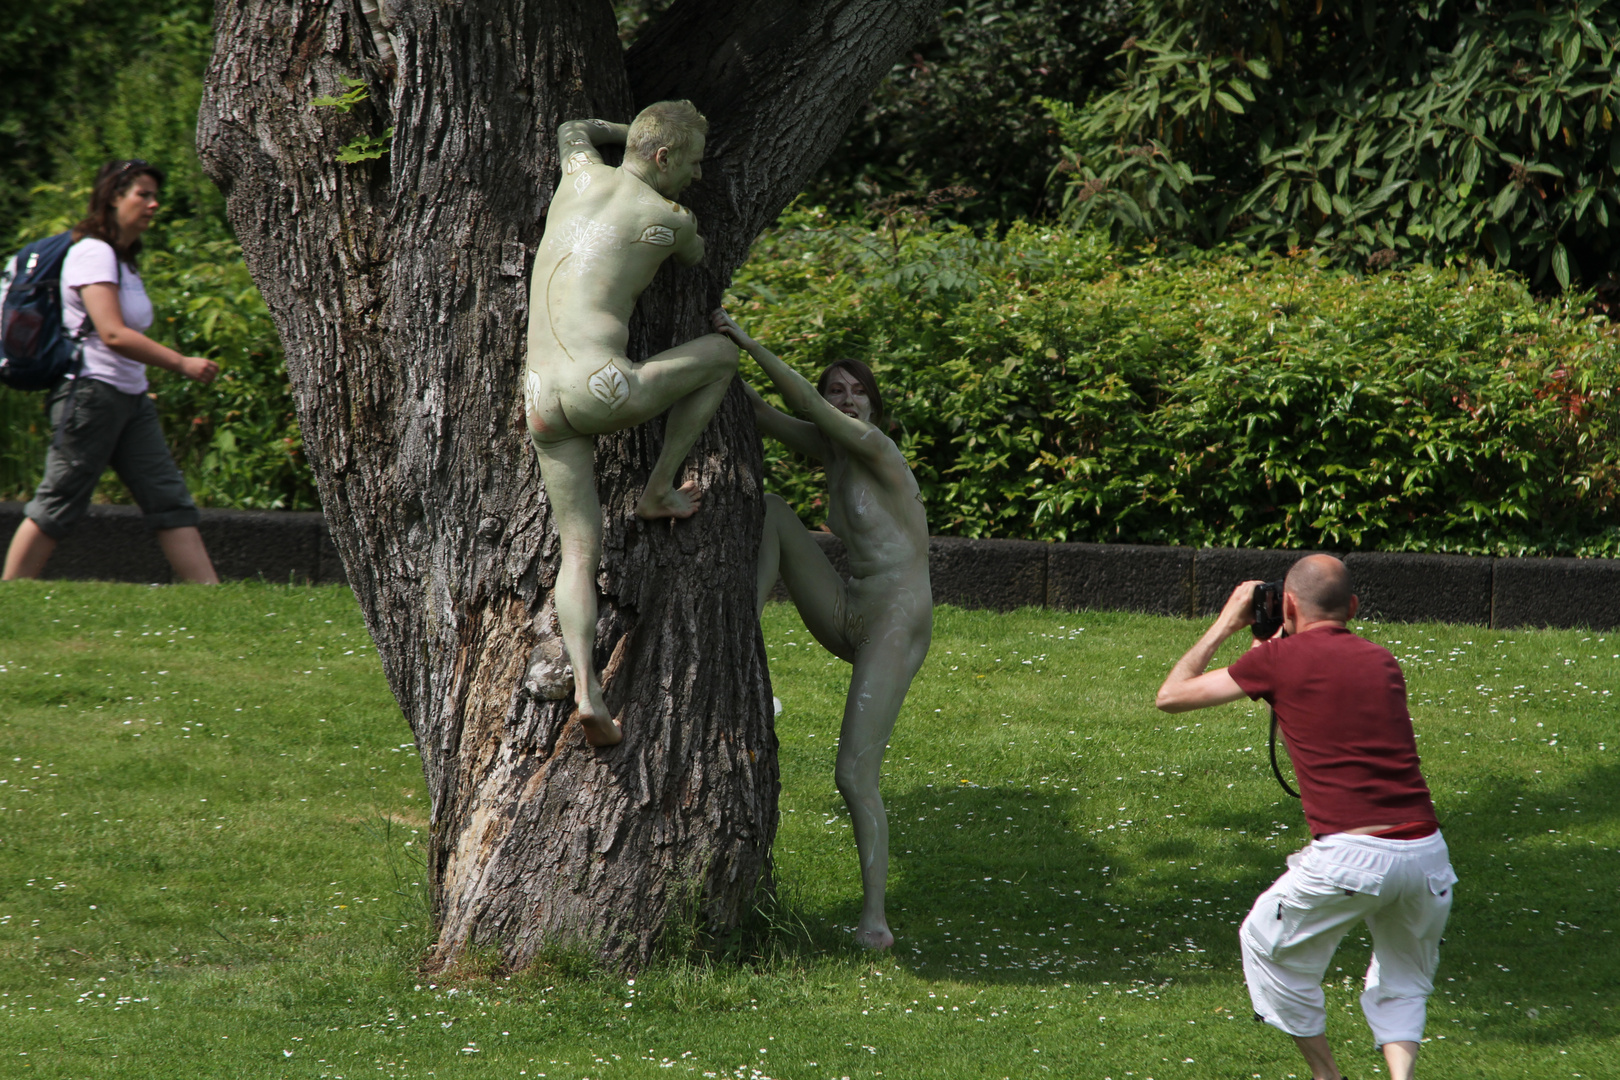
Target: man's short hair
<point>1321,585</point>
<point>675,124</point>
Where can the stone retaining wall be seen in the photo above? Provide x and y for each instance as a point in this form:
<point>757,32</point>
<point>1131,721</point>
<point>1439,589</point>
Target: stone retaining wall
<point>1195,582</point>
<point>113,544</point>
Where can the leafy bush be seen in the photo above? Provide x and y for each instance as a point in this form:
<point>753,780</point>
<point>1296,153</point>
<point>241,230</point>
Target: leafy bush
<point>23,440</point>
<point>237,438</point>
<point>1047,386</point>
<point>1379,133</point>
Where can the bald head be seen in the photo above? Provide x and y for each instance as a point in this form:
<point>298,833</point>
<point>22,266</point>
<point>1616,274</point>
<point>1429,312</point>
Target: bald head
<point>1320,585</point>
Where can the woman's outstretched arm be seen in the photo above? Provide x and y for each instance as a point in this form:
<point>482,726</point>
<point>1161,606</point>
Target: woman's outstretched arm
<point>800,436</point>
<point>101,303</point>
<point>852,434</point>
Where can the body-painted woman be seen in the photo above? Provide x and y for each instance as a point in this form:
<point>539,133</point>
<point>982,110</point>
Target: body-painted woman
<point>881,620</point>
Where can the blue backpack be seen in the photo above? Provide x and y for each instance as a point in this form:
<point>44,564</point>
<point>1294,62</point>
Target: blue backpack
<point>35,349</point>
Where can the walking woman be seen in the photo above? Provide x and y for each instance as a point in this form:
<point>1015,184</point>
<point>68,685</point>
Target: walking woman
<point>101,414</point>
<point>882,619</point>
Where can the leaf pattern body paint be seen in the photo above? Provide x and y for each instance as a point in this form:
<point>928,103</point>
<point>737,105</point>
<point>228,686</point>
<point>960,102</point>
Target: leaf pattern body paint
<point>609,386</point>
<point>657,235</point>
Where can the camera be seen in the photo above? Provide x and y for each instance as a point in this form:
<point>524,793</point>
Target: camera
<point>1268,613</point>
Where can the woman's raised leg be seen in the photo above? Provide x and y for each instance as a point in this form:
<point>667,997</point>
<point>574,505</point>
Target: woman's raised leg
<point>786,549</point>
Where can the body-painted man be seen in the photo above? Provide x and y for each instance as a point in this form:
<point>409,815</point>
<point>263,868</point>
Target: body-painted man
<point>607,232</point>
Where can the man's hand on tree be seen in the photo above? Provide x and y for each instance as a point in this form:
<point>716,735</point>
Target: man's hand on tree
<point>607,133</point>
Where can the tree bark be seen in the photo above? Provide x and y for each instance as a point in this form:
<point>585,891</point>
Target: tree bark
<point>399,286</point>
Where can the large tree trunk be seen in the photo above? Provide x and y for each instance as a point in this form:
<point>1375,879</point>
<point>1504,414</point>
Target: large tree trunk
<point>399,286</point>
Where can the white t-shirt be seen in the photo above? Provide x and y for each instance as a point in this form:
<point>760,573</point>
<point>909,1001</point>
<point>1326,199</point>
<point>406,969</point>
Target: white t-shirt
<point>92,262</point>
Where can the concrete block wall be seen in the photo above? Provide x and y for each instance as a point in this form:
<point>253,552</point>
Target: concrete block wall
<point>113,544</point>
<point>1194,582</point>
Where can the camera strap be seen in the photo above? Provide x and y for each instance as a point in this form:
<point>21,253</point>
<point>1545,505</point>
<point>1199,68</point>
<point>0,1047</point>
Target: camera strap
<point>1275,771</point>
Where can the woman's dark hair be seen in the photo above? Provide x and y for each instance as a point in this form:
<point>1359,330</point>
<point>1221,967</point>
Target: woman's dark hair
<point>112,181</point>
<point>864,376</point>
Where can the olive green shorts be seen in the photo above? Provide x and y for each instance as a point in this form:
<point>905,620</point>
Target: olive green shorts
<point>107,427</point>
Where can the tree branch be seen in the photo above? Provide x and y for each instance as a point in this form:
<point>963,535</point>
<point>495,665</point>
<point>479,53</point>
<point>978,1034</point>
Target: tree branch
<point>779,82</point>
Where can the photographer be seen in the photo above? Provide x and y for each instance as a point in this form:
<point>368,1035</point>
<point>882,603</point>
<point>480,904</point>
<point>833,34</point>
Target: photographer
<point>1378,856</point>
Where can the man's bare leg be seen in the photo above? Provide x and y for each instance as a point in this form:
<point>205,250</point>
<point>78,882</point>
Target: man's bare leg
<point>1401,1058</point>
<point>568,468</point>
<point>716,356</point>
<point>30,550</point>
<point>1319,1056</point>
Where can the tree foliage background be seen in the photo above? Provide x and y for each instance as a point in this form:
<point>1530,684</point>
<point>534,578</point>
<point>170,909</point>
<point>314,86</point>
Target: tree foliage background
<point>1378,132</point>
<point>1383,138</point>
<point>964,109</point>
<point>86,82</point>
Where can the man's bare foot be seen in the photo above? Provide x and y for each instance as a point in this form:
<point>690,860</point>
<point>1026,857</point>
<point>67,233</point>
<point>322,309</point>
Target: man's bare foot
<point>598,723</point>
<point>875,937</point>
<point>681,502</point>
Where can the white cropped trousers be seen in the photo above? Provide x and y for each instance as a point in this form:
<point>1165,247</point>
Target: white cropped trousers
<point>1401,888</point>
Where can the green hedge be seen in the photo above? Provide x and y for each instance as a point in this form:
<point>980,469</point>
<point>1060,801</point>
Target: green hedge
<point>1047,385</point>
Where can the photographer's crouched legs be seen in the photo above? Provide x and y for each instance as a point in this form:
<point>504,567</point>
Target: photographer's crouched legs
<point>1402,889</point>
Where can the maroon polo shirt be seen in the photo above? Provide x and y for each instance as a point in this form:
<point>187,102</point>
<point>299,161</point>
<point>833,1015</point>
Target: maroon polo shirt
<point>1341,705</point>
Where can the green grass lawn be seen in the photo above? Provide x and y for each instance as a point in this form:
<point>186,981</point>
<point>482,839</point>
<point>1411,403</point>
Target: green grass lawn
<point>210,810</point>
